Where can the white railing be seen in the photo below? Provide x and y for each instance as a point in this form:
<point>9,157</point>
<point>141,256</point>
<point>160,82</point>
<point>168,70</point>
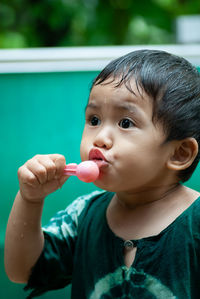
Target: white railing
<point>79,58</point>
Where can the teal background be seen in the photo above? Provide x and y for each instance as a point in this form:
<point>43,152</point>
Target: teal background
<point>42,113</point>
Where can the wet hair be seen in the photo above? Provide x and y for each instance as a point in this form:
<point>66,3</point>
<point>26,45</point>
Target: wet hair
<point>171,82</point>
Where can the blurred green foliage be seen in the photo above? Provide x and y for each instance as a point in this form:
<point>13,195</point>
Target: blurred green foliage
<point>48,23</point>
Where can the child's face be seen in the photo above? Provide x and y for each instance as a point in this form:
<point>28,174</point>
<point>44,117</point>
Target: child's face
<point>119,124</point>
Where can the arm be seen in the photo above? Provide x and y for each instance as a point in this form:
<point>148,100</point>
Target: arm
<point>24,241</point>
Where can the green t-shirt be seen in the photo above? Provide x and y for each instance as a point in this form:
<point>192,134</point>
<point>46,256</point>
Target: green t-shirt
<point>81,249</point>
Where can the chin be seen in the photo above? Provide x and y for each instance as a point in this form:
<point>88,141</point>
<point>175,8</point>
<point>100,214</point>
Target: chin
<point>105,186</point>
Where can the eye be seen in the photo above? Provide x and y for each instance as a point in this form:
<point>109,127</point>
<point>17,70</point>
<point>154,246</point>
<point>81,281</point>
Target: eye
<point>126,123</point>
<point>94,121</point>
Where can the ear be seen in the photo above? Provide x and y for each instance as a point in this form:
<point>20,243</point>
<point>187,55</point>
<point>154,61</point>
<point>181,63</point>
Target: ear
<point>184,153</point>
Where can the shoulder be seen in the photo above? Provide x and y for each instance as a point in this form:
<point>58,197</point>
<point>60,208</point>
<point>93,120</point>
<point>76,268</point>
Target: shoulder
<point>78,205</point>
<point>191,194</point>
<point>68,219</point>
<point>194,209</point>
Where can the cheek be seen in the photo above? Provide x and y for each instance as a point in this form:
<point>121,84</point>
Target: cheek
<point>124,154</point>
<point>84,148</point>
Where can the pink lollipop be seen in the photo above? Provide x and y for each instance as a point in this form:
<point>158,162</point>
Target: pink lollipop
<point>86,171</point>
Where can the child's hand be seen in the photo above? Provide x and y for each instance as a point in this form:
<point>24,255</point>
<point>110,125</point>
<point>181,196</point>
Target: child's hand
<point>40,176</point>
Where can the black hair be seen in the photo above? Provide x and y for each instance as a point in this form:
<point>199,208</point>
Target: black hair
<point>173,84</point>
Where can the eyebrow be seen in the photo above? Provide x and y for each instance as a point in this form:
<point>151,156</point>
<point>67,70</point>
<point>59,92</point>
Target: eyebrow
<point>92,106</point>
<point>125,106</point>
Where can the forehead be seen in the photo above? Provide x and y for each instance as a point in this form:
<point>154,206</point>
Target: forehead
<point>109,94</point>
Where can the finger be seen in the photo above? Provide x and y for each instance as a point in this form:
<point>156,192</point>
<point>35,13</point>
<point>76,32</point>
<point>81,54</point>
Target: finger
<point>49,165</point>
<point>62,180</point>
<point>26,176</point>
<point>54,157</point>
<point>60,163</point>
<point>51,186</point>
<point>38,170</point>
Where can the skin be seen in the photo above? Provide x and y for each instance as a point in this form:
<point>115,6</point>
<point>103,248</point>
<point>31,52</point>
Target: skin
<point>137,149</point>
<point>141,169</point>
<point>137,154</point>
<point>24,242</point>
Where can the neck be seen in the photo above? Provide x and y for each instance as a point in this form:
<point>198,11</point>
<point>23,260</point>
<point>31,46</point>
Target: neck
<point>132,200</point>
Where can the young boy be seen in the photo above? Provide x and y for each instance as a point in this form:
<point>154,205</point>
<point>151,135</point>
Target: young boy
<point>141,237</point>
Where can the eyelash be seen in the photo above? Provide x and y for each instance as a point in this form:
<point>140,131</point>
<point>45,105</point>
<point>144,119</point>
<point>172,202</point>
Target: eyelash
<point>94,118</point>
<point>130,122</point>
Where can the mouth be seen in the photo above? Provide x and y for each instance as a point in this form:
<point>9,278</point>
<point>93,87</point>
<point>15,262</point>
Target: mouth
<point>97,156</point>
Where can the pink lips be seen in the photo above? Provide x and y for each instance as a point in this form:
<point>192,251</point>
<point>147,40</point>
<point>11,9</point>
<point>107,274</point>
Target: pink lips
<point>97,156</point>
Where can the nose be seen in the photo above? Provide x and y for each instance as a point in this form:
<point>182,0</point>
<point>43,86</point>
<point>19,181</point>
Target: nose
<point>103,139</point>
